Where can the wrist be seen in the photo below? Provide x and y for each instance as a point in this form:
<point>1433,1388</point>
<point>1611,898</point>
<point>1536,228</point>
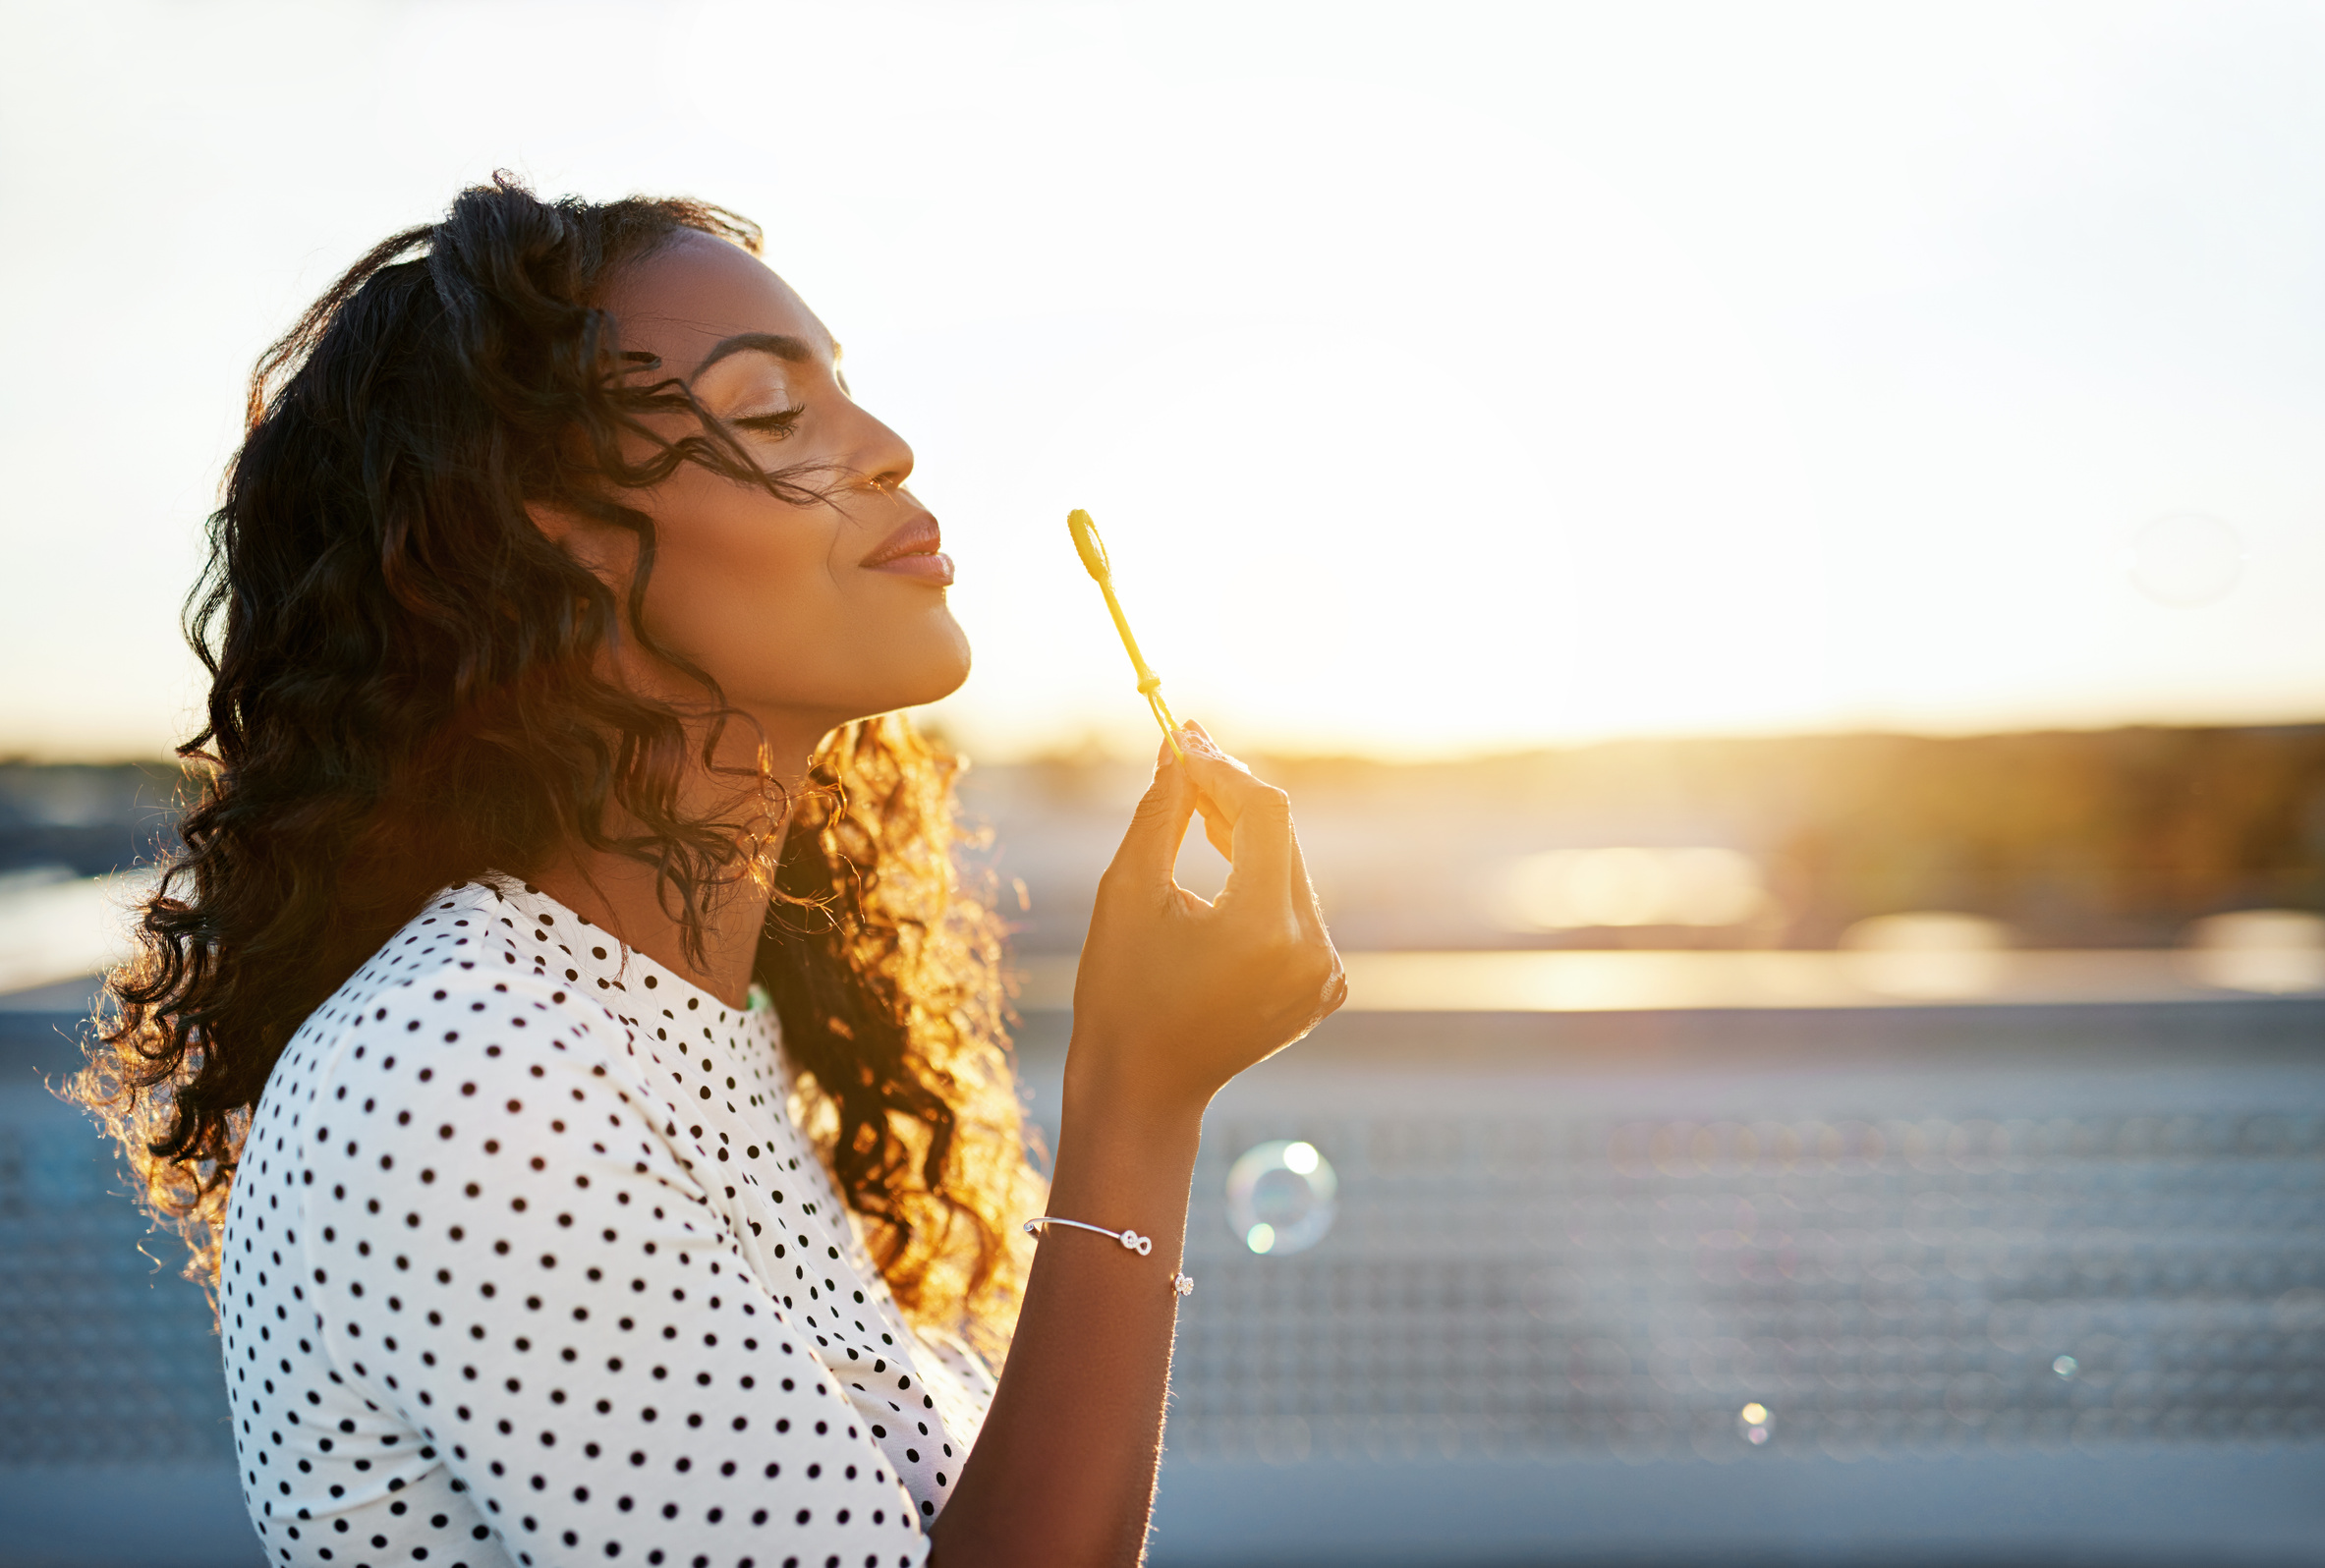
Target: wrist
<point>1101,1088</point>
<point>1118,1167</point>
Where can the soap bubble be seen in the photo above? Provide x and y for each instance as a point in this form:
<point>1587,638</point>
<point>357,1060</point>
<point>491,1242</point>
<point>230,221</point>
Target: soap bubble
<point>1280,1196</point>
<point>1754,1424</point>
<point>2185,559</point>
<point>2066,1366</point>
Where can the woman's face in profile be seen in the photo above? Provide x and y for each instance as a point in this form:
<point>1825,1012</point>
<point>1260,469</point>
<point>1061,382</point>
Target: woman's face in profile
<point>807,616</point>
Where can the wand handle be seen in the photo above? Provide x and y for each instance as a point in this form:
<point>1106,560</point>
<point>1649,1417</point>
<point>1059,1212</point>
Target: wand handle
<point>1101,571</point>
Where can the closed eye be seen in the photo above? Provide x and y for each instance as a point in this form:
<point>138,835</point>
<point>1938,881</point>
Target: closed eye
<point>778,425</point>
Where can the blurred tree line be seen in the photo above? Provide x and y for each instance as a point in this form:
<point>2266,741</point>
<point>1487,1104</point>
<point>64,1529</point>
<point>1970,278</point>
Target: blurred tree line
<point>2075,839</point>
<point>2115,838</point>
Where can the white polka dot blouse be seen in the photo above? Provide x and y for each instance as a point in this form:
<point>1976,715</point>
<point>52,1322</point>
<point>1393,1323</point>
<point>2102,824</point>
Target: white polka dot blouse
<point>527,1262</point>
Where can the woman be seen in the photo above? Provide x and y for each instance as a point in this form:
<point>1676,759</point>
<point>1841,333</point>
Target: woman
<point>562,1035</point>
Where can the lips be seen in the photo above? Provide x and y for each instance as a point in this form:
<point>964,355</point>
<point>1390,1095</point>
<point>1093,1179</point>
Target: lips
<point>914,550</point>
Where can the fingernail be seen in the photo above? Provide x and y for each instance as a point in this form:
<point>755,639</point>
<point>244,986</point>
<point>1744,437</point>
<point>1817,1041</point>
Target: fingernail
<point>1165,757</point>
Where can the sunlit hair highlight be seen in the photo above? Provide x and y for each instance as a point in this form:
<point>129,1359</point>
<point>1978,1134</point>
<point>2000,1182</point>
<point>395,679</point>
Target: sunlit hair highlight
<point>406,692</point>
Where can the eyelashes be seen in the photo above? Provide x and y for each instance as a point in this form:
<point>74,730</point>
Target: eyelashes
<point>778,425</point>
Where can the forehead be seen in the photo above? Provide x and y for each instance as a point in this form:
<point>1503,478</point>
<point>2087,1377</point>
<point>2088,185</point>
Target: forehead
<point>697,291</point>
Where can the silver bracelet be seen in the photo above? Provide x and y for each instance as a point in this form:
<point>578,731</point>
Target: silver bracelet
<point>1131,1240</point>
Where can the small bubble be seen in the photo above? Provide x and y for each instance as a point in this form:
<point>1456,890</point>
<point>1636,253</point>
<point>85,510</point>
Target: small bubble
<point>2185,559</point>
<point>2065,1366</point>
<point>1754,1422</point>
<point>1280,1196</point>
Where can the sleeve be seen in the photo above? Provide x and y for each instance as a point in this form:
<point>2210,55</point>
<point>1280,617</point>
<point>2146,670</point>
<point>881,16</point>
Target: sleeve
<point>502,1248</point>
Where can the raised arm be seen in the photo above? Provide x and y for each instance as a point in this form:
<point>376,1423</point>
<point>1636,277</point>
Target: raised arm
<point>1174,997</point>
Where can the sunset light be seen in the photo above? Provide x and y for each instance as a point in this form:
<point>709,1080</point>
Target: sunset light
<point>1817,368</point>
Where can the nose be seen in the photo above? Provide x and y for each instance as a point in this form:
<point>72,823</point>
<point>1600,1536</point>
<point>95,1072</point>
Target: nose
<point>882,457</point>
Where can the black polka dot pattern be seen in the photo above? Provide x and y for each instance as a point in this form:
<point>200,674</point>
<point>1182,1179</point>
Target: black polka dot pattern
<point>527,1262</point>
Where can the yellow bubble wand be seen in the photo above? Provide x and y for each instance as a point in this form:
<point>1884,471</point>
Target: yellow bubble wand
<point>1092,550</point>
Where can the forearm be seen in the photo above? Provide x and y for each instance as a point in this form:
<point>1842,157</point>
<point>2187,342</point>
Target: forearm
<point>1064,1472</point>
<point>1173,997</point>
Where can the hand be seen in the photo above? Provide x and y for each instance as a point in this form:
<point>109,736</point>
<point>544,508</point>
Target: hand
<point>1175,995</point>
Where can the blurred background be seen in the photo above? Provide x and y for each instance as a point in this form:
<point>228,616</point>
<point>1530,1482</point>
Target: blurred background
<point>1777,549</point>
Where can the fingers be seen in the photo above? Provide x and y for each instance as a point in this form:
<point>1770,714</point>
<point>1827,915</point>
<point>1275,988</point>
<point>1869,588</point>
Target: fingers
<point>1218,825</point>
<point>1150,849</point>
<point>1309,910</point>
<point>1216,828</point>
<point>1302,893</point>
<point>1219,829</point>
<point>1298,901</point>
<point>1256,815</point>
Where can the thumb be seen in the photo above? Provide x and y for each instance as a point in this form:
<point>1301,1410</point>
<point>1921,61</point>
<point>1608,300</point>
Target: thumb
<point>1150,849</point>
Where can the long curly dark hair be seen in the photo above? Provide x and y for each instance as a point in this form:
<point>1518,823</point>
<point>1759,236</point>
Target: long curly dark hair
<point>406,694</point>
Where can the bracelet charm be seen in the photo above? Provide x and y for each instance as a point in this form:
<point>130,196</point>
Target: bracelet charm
<point>1180,1283</point>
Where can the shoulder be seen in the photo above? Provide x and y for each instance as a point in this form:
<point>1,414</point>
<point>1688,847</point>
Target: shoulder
<point>461,982</point>
<point>470,932</point>
<point>461,1079</point>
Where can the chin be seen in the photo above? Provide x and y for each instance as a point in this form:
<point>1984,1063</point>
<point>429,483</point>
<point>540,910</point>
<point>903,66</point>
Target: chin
<point>927,668</point>
<point>948,668</point>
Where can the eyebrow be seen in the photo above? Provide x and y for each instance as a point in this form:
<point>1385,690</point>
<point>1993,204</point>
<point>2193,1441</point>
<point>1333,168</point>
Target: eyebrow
<point>781,344</point>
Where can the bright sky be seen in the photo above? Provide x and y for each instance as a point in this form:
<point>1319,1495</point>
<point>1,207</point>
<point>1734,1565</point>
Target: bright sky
<point>1443,376</point>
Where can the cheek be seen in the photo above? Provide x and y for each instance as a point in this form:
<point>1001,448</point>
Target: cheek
<point>766,601</point>
<point>741,580</point>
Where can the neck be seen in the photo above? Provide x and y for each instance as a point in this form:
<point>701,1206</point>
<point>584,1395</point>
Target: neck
<point>613,891</point>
